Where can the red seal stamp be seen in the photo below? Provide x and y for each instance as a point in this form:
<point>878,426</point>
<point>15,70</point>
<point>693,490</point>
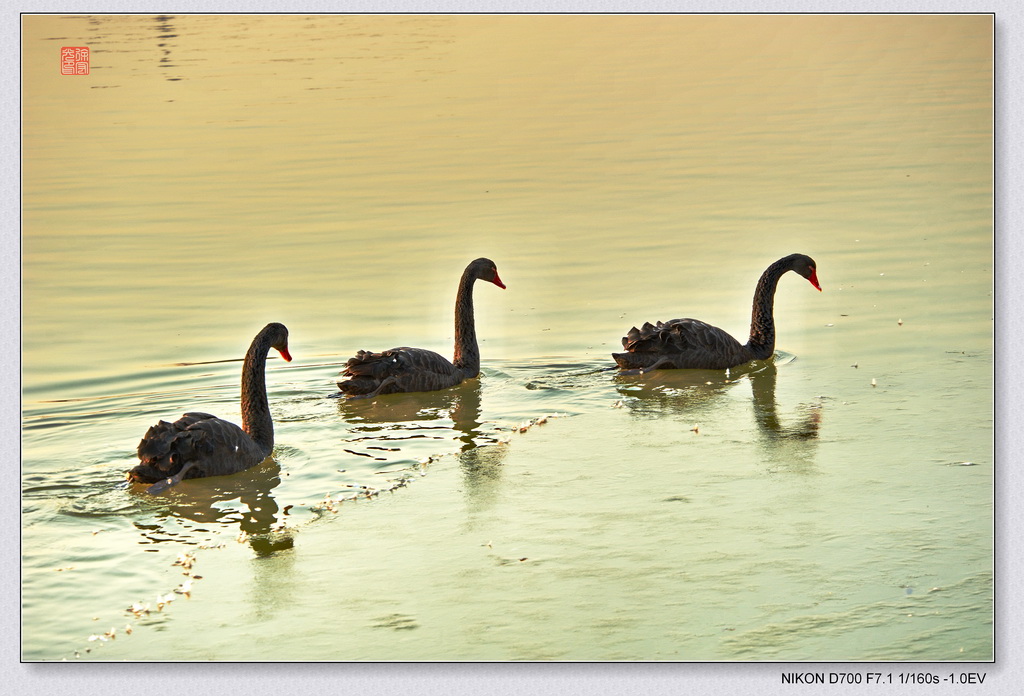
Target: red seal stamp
<point>74,60</point>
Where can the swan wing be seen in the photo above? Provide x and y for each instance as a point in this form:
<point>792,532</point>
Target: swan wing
<point>210,446</point>
<point>397,370</point>
<point>680,343</point>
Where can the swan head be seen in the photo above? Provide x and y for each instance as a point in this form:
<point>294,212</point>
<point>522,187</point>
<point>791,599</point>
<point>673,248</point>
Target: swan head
<point>484,269</point>
<point>277,334</point>
<point>805,266</point>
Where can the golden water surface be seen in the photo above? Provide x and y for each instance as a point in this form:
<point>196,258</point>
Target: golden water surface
<point>336,173</point>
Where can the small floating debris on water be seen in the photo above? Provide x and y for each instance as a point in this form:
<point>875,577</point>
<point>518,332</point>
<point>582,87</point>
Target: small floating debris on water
<point>963,464</point>
<point>874,383</point>
<point>899,322</point>
<point>327,504</point>
<point>59,570</point>
<point>185,588</point>
<point>523,427</point>
<point>96,531</point>
<point>935,589</point>
<point>398,483</point>
<point>139,609</point>
<point>855,365</point>
<point>828,325</point>
<point>185,560</point>
<point>286,509</point>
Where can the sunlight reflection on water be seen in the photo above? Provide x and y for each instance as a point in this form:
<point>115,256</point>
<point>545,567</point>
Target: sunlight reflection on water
<point>619,170</point>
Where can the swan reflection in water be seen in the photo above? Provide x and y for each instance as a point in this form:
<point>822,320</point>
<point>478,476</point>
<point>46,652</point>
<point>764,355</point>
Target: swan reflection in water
<point>431,424</point>
<point>245,499</point>
<point>698,395</point>
<point>766,411</point>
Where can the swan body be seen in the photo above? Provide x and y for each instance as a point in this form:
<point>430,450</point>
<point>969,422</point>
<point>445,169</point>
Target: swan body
<point>693,344</point>
<point>405,369</point>
<point>199,444</point>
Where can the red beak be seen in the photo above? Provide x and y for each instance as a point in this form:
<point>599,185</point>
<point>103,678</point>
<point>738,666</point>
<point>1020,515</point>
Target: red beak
<point>285,354</point>
<point>497,281</point>
<point>814,279</point>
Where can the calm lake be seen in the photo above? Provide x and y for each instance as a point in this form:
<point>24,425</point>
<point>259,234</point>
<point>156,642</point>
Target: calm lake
<point>211,174</point>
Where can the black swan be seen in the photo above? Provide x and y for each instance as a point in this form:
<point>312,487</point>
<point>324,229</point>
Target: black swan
<point>199,444</point>
<point>692,344</point>
<point>416,369</point>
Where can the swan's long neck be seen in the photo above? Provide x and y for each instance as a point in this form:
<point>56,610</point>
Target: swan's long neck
<point>467,352</point>
<point>762,320</point>
<point>256,420</point>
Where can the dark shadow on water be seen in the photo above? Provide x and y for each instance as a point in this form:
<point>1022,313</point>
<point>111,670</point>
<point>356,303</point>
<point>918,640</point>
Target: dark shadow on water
<point>766,411</point>
<point>394,417</point>
<point>453,415</point>
<point>481,474</point>
<point>245,499</point>
<point>788,443</point>
<point>685,392</point>
<point>164,38</point>
<point>460,404</point>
